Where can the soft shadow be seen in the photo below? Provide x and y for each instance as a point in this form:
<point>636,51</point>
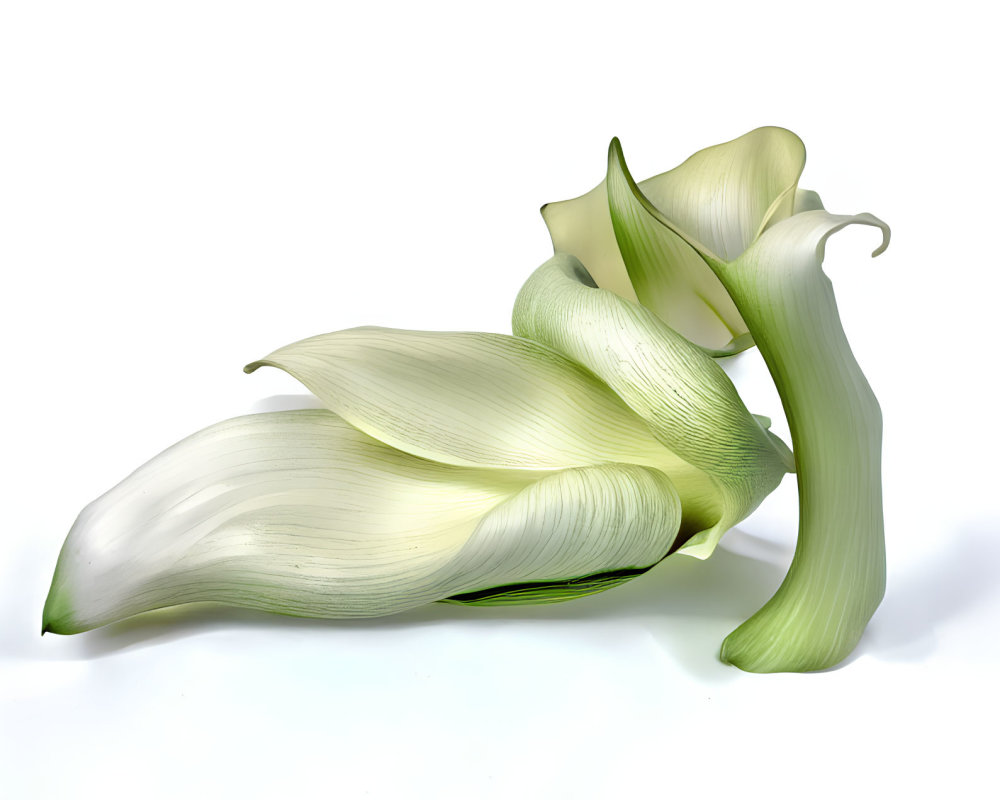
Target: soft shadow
<point>959,577</point>
<point>686,605</point>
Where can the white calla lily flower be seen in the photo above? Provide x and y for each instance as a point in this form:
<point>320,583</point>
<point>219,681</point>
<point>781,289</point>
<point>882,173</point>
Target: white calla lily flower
<point>724,197</point>
<point>727,250</point>
<point>467,467</point>
<point>300,513</point>
<point>578,453</point>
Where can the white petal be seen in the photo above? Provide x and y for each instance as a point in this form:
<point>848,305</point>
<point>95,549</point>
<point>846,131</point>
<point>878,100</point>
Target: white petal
<point>715,203</point>
<point>582,226</point>
<point>573,523</point>
<point>687,400</point>
<point>299,513</point>
<point>266,511</point>
<point>475,399</point>
<point>724,196</point>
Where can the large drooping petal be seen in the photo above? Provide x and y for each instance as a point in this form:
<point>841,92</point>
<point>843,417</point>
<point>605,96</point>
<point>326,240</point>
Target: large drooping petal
<point>837,577</point>
<point>687,400</point>
<point>300,513</point>
<point>473,399</point>
<point>719,201</point>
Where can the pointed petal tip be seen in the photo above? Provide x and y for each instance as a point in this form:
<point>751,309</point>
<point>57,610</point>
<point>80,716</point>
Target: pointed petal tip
<point>55,614</point>
<point>616,153</point>
<point>49,608</point>
<point>886,235</point>
<point>253,366</point>
<point>827,224</point>
<point>866,218</point>
<point>726,657</point>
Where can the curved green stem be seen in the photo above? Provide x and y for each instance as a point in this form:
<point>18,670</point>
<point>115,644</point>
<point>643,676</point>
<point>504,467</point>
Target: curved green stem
<point>837,576</point>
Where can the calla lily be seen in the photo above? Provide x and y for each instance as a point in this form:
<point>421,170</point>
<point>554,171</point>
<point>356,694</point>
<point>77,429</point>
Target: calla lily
<point>724,196</point>
<point>728,251</point>
<point>468,467</point>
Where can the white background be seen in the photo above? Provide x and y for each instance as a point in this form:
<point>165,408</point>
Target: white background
<point>187,186</point>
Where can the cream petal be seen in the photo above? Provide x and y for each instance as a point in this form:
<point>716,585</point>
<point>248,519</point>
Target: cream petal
<point>645,241</point>
<point>473,399</point>
<point>299,513</point>
<point>572,533</point>
<point>582,226</point>
<point>725,196</point>
<point>669,275</point>
<point>686,399</point>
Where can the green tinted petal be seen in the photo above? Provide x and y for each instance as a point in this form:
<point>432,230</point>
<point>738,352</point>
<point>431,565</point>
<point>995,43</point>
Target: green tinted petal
<point>806,200</point>
<point>539,593</point>
<point>474,399</point>
<point>686,399</point>
<point>715,203</point>
<point>669,275</point>
<point>574,532</point>
<point>582,226</point>
<point>837,577</point>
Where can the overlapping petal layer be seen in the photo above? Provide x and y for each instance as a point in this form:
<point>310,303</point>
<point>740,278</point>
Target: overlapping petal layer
<point>473,399</point>
<point>480,468</point>
<point>300,513</point>
<point>687,400</point>
<point>716,202</point>
<point>775,280</point>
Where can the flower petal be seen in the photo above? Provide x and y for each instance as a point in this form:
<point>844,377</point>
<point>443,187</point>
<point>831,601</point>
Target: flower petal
<point>572,533</point>
<point>299,513</point>
<point>669,275</point>
<point>582,226</point>
<point>474,399</point>
<point>716,203</point>
<point>267,511</point>
<point>806,200</point>
<point>687,400</point>
<point>725,196</point>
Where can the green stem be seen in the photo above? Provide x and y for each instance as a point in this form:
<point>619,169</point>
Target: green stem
<point>837,576</point>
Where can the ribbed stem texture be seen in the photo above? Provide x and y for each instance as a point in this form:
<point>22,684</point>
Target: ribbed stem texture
<point>837,576</point>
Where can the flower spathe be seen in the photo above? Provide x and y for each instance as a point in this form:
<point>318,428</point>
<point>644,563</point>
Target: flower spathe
<point>563,460</point>
<point>728,251</point>
<point>466,466</point>
<point>722,197</point>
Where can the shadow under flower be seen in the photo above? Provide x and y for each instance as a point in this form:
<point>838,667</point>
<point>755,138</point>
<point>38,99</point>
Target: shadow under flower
<point>957,579</point>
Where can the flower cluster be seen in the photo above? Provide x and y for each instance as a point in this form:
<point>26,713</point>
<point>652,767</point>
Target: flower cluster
<point>599,439</point>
